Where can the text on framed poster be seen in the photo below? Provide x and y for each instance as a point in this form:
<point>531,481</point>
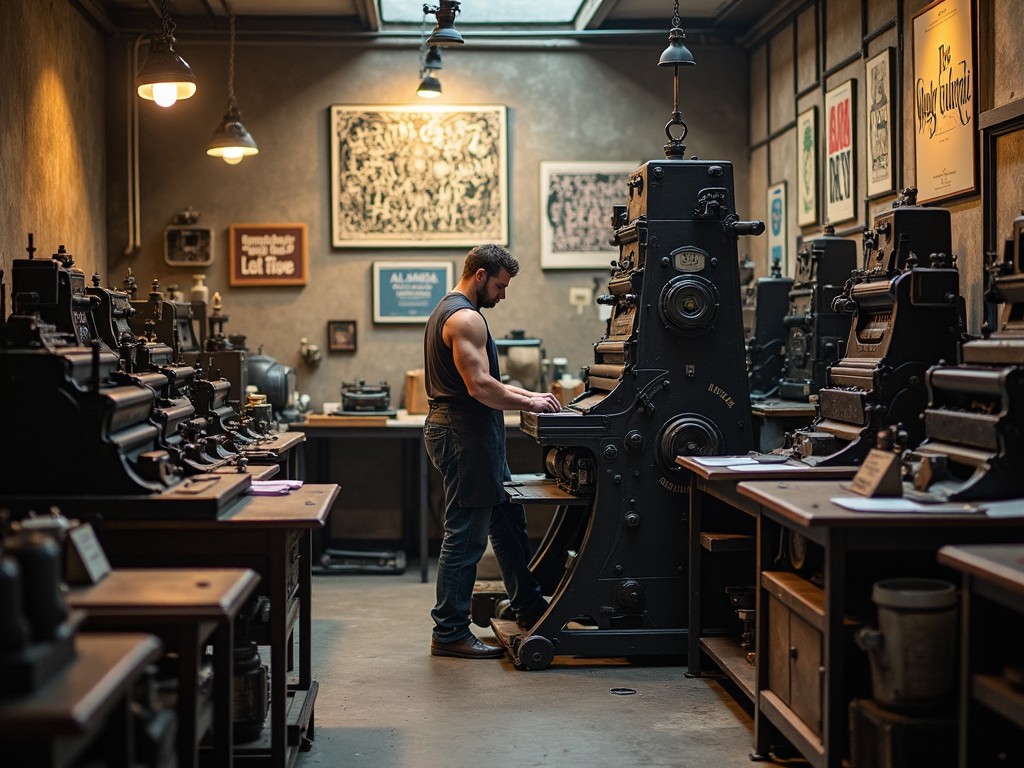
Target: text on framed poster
<point>408,291</point>
<point>944,106</point>
<point>840,166</point>
<point>268,254</point>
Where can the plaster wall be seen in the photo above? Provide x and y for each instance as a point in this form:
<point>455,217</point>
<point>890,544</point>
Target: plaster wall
<point>565,102</point>
<point>52,121</point>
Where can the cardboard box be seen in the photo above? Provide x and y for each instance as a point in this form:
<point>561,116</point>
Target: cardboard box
<point>566,390</point>
<point>415,392</point>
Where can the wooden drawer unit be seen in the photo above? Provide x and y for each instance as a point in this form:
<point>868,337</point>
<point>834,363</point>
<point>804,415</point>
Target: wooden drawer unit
<point>796,626</point>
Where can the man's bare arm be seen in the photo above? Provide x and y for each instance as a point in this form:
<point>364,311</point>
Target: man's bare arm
<point>466,332</point>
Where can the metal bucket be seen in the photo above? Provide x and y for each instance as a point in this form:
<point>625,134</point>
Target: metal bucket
<point>913,651</point>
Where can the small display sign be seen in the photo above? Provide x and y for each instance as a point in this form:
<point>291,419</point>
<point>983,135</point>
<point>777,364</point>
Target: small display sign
<point>268,254</point>
<point>408,291</point>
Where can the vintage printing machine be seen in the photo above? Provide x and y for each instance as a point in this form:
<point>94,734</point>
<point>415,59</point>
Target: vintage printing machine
<point>907,315</point>
<point>668,378</point>
<point>766,343</point>
<point>230,428</point>
<point>110,461</point>
<point>974,423</point>
<point>816,333</point>
<point>148,363</point>
<point>55,290</point>
<point>66,395</point>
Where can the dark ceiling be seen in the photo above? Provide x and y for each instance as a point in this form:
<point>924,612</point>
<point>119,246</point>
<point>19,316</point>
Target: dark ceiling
<point>725,18</point>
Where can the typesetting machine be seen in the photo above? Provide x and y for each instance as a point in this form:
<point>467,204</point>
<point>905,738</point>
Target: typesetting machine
<point>816,333</point>
<point>906,316</point>
<point>668,378</point>
<point>974,425</point>
<point>142,435</point>
<point>766,343</point>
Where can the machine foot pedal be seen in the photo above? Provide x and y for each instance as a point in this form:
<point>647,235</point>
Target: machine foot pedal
<point>527,651</point>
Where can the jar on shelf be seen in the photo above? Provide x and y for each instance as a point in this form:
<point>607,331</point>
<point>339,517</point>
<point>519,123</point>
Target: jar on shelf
<point>199,291</point>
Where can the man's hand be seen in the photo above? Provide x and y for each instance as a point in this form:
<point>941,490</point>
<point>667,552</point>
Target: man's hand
<point>543,402</point>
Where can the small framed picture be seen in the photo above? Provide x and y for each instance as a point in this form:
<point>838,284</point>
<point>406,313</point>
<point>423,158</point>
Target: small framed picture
<point>186,246</point>
<point>880,144</point>
<point>777,216</point>
<point>807,167</point>
<point>341,335</point>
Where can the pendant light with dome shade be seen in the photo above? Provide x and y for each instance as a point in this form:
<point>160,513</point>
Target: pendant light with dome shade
<point>675,56</point>
<point>231,140</point>
<point>430,62</point>
<point>164,76</point>
<point>445,35</point>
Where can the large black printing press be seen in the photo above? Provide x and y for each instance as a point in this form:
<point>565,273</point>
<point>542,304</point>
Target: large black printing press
<point>668,378</point>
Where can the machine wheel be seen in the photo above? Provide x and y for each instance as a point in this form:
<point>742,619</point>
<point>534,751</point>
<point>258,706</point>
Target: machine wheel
<point>536,652</point>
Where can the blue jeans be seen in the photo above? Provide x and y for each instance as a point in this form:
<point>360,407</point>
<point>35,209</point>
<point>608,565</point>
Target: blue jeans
<point>466,528</point>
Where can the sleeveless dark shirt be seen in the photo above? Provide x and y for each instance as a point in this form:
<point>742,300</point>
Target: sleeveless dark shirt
<point>442,378</point>
<point>478,431</point>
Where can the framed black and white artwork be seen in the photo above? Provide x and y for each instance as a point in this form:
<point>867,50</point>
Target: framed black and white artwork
<point>431,176</point>
<point>576,200</point>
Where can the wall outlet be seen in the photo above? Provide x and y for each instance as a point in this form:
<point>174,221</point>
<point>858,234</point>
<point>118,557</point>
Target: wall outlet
<point>579,297</point>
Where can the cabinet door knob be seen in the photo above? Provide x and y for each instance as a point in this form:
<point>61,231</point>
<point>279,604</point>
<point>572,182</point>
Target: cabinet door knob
<point>792,652</point>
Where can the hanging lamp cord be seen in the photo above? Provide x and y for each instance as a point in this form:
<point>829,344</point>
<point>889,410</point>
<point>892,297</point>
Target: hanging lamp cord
<point>231,54</point>
<point>165,20</point>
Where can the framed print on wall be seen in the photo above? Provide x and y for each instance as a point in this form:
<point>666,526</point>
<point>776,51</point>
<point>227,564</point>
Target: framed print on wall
<point>415,177</point>
<point>840,157</point>
<point>777,250</point>
<point>576,199</point>
<point>881,147</point>
<point>408,291</point>
<point>807,167</point>
<point>341,335</point>
<point>945,122</point>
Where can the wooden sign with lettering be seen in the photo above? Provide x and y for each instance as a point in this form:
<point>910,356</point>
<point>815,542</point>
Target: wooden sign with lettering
<point>879,475</point>
<point>268,254</point>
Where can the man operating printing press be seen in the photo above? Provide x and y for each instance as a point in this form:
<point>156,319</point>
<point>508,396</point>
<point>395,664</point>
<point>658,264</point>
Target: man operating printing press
<point>464,436</point>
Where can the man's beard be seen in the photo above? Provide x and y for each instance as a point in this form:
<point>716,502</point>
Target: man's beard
<point>482,302</point>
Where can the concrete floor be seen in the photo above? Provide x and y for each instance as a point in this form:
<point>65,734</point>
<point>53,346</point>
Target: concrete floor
<point>385,702</point>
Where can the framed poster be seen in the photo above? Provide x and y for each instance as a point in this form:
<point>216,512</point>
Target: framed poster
<point>944,104</point>
<point>881,147</point>
<point>807,167</point>
<point>576,200</point>
<point>840,157</point>
<point>428,176</point>
<point>408,291</point>
<point>268,254</point>
<point>777,250</point>
<point>341,335</point>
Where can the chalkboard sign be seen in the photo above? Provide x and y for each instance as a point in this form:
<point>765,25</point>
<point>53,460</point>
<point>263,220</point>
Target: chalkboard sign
<point>268,254</point>
<point>408,291</point>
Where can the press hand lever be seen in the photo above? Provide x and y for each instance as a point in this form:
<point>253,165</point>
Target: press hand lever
<point>605,298</point>
<point>734,226</point>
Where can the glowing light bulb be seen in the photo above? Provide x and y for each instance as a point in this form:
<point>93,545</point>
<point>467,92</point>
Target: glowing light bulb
<point>232,155</point>
<point>165,94</point>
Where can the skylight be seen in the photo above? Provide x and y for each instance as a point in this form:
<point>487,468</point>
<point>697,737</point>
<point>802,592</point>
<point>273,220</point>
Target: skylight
<point>487,11</point>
